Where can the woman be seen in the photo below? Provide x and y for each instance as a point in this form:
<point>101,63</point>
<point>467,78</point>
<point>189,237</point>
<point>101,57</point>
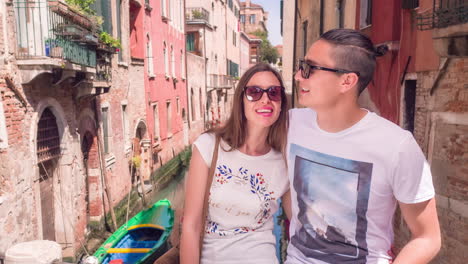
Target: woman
<point>250,176</point>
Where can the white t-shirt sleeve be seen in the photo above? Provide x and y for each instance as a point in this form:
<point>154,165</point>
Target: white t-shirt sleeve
<point>412,178</point>
<point>205,144</point>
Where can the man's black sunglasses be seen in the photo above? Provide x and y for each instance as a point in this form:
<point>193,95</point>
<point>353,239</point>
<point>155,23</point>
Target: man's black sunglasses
<point>254,93</point>
<point>306,68</point>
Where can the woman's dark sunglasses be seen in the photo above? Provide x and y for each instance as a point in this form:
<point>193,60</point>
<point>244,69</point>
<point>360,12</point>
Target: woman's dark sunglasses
<point>254,93</point>
<point>306,68</point>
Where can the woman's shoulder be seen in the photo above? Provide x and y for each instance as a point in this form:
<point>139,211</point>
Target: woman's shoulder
<point>206,138</point>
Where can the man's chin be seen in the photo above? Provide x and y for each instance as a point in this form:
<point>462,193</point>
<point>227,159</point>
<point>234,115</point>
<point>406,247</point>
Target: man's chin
<point>305,103</point>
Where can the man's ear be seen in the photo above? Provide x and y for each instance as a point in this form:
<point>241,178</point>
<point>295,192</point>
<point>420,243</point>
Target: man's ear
<point>348,81</point>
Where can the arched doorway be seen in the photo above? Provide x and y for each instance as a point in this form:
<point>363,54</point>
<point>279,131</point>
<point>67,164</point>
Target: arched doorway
<point>48,154</point>
<point>86,146</point>
<point>142,152</point>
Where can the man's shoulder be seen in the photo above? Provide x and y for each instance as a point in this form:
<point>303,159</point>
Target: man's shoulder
<point>386,127</point>
<point>385,133</point>
<point>301,113</point>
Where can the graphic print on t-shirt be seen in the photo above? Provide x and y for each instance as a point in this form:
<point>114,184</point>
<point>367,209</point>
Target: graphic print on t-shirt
<point>332,195</point>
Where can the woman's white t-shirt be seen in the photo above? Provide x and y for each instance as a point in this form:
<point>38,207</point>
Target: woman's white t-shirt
<point>243,199</point>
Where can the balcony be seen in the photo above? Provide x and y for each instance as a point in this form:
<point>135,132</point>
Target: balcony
<point>197,15</point>
<point>50,35</point>
<point>448,20</point>
<point>444,13</point>
<point>218,81</point>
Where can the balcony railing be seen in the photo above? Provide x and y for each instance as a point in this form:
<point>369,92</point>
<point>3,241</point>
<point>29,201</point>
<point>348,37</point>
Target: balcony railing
<point>218,81</point>
<point>197,14</point>
<point>444,13</point>
<point>50,29</point>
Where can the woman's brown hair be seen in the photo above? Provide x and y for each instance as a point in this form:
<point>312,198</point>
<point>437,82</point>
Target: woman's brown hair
<point>234,131</point>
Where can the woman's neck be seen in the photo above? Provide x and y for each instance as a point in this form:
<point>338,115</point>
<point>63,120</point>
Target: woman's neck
<point>256,142</point>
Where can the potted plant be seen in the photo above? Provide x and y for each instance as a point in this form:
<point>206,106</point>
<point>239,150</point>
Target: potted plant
<point>196,14</point>
<point>111,44</point>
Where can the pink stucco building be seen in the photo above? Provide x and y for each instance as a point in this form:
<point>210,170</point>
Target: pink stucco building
<point>165,77</point>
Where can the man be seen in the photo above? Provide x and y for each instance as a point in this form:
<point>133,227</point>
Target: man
<point>349,168</point>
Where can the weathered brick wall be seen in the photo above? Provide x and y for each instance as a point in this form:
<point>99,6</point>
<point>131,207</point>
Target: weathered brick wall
<point>127,88</point>
<point>20,172</point>
<point>441,129</point>
<point>16,193</point>
<point>20,202</point>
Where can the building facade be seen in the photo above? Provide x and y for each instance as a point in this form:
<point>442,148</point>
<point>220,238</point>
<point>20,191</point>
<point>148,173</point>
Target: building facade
<point>66,120</point>
<point>420,84</point>
<point>252,17</point>
<point>214,42</point>
<point>165,79</point>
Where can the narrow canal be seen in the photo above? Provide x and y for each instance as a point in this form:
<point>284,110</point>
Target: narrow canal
<point>169,183</point>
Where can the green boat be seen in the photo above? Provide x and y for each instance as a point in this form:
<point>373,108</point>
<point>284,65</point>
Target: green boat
<point>142,239</point>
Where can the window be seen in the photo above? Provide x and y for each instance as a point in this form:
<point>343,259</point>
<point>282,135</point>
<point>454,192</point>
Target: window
<point>181,16</point>
<point>253,54</point>
<point>190,41</point>
<point>106,128</point>
<point>192,102</point>
<point>234,39</point>
<point>149,57</point>
<point>169,118</point>
<point>252,19</point>
<point>242,19</point>
<point>172,62</point>
<point>124,123</point>
<point>178,105</point>
<point>170,14</point>
<point>124,119</point>
<point>155,121</point>
<point>166,60</point>
<point>365,15</point>
<point>233,68</point>
<point>182,64</point>
<point>48,138</point>
<point>119,26</point>
<point>200,102</point>
<point>102,8</point>
<point>163,8</point>
<point>230,4</point>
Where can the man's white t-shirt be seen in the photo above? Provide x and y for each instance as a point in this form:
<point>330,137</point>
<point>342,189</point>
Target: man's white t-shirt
<point>243,199</point>
<point>345,187</point>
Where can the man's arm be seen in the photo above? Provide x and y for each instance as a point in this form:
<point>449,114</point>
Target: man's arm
<point>423,223</point>
<point>286,200</point>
